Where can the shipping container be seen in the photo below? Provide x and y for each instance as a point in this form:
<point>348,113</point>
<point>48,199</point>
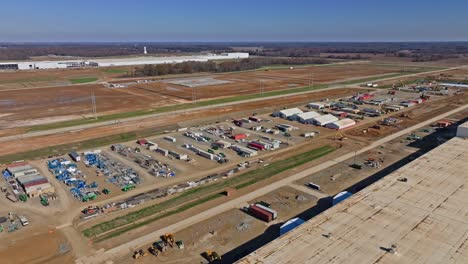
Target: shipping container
<point>268,209</point>
<point>256,146</point>
<point>260,213</point>
<point>239,136</point>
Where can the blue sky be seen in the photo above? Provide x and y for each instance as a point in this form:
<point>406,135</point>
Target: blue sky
<point>234,20</point>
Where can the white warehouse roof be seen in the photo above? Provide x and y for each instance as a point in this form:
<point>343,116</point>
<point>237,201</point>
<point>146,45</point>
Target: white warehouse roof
<point>341,124</point>
<point>307,115</point>
<point>128,61</point>
<point>425,217</point>
<point>290,112</point>
<point>462,130</point>
<point>325,119</point>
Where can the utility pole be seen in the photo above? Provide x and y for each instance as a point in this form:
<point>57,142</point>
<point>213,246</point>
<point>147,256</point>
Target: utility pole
<point>194,94</point>
<point>93,101</point>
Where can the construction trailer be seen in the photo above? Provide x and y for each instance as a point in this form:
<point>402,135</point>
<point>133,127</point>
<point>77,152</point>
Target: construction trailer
<point>221,144</point>
<point>75,156</point>
<point>341,124</point>
<point>244,152</point>
<point>170,139</point>
<point>317,106</point>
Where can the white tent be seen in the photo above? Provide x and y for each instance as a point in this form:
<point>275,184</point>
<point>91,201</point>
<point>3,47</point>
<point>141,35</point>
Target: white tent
<point>323,120</point>
<point>305,116</point>
<point>341,124</point>
<point>288,112</point>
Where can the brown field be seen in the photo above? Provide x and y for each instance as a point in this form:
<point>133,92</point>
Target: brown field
<point>183,119</point>
<point>33,106</point>
<point>267,80</point>
<point>69,102</point>
<point>53,77</point>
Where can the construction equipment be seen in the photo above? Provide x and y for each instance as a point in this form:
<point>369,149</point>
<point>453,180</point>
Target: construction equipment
<point>11,216</point>
<point>44,200</point>
<point>152,250</point>
<point>128,187</point>
<point>180,244</point>
<point>136,255</point>
<point>160,245</point>
<point>413,136</point>
<point>139,253</point>
<point>168,239</point>
<point>339,136</point>
<point>23,197</point>
<point>211,256</point>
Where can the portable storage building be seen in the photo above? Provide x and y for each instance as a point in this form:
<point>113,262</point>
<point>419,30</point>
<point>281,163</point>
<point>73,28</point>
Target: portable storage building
<point>323,120</point>
<point>304,117</point>
<point>75,156</point>
<point>341,124</point>
<point>286,113</point>
<point>171,139</point>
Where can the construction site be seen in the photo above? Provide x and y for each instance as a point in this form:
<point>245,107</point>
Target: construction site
<point>247,166</point>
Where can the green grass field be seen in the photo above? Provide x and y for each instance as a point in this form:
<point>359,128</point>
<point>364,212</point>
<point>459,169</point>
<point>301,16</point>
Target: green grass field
<point>197,196</point>
<point>83,80</point>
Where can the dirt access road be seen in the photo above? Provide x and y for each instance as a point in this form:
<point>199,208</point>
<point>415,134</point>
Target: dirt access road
<point>127,248</point>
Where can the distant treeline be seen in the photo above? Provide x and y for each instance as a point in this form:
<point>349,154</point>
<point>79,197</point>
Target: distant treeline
<point>226,66</point>
<point>419,51</point>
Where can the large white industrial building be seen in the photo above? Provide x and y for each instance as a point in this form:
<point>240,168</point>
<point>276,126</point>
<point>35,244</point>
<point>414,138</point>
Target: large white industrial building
<point>129,61</point>
<point>415,215</point>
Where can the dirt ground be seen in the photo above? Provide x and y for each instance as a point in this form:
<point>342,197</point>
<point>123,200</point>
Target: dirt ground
<point>45,105</point>
<point>229,230</point>
<point>42,242</point>
<point>264,80</point>
<point>220,113</point>
<point>54,77</point>
<point>40,105</point>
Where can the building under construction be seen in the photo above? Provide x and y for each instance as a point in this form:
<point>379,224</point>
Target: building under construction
<point>417,214</point>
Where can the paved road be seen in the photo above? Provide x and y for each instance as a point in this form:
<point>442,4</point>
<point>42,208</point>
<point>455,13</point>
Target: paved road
<point>113,122</point>
<point>127,248</point>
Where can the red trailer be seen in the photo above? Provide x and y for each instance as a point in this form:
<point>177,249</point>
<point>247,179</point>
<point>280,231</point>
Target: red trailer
<point>260,213</point>
<point>365,96</point>
<point>142,142</point>
<point>256,146</point>
<point>239,136</point>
